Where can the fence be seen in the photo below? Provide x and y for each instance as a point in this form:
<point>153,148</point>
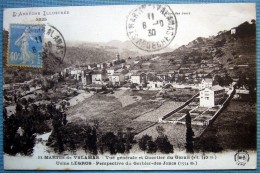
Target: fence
<point>223,106</point>
<point>179,108</point>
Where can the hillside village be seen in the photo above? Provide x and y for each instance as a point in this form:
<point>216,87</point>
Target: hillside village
<point>140,93</point>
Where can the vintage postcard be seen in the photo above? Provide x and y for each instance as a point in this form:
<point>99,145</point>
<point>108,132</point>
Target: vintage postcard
<point>130,87</point>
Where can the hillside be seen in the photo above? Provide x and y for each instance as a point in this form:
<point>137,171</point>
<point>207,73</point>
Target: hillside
<point>90,50</point>
<point>86,55</point>
<point>223,54</point>
<point>124,48</point>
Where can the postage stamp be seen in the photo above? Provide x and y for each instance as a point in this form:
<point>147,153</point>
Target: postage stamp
<point>26,45</point>
<point>151,27</point>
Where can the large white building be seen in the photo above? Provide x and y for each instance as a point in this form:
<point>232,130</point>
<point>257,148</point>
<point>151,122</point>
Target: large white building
<point>210,97</point>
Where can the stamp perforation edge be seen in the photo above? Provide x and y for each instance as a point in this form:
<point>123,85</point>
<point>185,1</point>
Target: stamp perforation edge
<point>6,60</point>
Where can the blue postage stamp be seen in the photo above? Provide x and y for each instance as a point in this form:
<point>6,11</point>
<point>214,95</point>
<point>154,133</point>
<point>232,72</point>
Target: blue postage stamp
<point>26,45</point>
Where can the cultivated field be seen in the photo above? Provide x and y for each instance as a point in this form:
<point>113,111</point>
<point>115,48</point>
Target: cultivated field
<point>112,112</point>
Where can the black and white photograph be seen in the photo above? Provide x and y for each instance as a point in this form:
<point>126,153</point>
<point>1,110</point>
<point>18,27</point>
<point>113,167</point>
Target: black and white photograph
<point>130,87</point>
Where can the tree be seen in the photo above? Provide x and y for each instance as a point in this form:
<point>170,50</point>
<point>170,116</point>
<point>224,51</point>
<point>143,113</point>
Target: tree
<point>120,146</point>
<point>160,130</point>
<point>227,80</point>
<point>87,132</point>
<point>110,141</point>
<point>189,134</point>
<point>151,147</point>
<point>217,80</point>
<point>18,109</point>
<point>92,141</point>
<point>72,146</point>
<point>122,61</point>
<point>10,128</point>
<point>59,141</point>
<point>24,101</point>
<point>129,138</point>
<point>162,141</point>
<point>5,114</point>
<point>143,142</point>
<point>163,144</point>
<point>64,119</point>
<point>27,140</point>
<point>251,86</point>
<point>133,86</point>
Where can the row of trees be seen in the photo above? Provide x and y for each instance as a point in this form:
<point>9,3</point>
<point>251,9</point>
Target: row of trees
<point>20,129</point>
<point>72,136</point>
<point>222,81</point>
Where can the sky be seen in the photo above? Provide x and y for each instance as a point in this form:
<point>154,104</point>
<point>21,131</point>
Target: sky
<point>106,23</point>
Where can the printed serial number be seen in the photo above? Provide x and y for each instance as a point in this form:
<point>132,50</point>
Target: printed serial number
<point>41,19</point>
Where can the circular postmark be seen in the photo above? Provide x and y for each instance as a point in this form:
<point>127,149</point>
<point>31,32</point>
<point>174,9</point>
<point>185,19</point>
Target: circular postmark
<point>54,42</point>
<point>241,157</point>
<point>151,27</point>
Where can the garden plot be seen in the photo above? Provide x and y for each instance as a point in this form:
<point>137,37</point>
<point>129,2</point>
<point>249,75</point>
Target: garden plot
<point>200,119</point>
<point>193,116</point>
<point>199,115</point>
<point>164,109</point>
<point>180,115</point>
<point>199,110</point>
<point>175,117</point>
<point>209,113</point>
<point>205,116</point>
